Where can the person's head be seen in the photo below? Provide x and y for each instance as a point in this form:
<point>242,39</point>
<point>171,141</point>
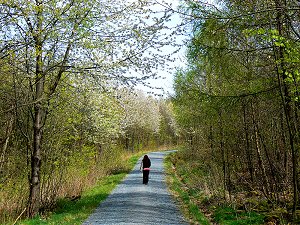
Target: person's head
<point>146,157</point>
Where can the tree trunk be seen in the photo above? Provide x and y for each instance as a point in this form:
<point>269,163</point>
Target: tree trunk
<point>39,113</point>
<point>223,154</point>
<point>286,101</point>
<point>259,155</point>
<point>8,132</point>
<point>127,142</point>
<point>211,141</point>
<point>248,152</point>
<point>34,197</point>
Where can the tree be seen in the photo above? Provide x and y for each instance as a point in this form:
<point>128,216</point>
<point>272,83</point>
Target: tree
<point>141,118</point>
<point>169,132</point>
<point>47,41</point>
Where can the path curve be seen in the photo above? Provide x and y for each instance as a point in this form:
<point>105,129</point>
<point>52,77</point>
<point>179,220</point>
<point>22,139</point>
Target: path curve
<point>135,203</point>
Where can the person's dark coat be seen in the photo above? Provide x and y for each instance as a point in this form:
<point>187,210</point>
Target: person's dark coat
<point>146,164</point>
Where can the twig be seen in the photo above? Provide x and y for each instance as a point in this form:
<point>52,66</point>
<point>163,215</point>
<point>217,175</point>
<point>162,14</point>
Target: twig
<point>19,216</point>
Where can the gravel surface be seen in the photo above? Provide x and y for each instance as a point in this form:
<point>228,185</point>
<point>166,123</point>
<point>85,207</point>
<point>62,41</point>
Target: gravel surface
<point>135,203</point>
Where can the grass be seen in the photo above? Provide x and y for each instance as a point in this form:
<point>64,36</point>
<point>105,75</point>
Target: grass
<point>68,212</point>
<point>228,216</point>
<point>188,207</point>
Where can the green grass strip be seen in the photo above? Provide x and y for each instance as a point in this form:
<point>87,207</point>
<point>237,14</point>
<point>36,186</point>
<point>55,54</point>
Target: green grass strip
<point>70,212</point>
<point>229,216</point>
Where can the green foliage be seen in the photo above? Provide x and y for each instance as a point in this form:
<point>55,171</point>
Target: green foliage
<point>63,67</point>
<point>229,216</point>
<point>182,180</point>
<point>83,140</point>
<point>75,212</point>
<point>290,58</point>
<point>242,78</point>
<point>178,188</point>
<point>133,160</point>
<point>69,211</point>
<point>168,129</point>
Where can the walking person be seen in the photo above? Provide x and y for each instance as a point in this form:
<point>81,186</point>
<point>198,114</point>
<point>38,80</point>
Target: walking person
<point>145,165</point>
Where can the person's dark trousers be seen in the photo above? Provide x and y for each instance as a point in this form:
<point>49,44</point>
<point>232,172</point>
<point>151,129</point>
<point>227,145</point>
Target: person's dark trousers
<point>145,176</point>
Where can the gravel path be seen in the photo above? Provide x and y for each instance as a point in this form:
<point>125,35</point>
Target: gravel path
<point>135,203</point>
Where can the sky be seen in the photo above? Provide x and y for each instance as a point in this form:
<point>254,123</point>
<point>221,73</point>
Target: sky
<point>166,80</point>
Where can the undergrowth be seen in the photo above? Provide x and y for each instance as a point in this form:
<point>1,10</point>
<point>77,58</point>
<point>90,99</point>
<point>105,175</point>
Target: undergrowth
<point>69,212</point>
<point>180,191</point>
<point>187,181</point>
<point>72,211</point>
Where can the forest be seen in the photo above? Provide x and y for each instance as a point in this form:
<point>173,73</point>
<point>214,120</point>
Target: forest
<point>70,112</point>
<point>237,105</point>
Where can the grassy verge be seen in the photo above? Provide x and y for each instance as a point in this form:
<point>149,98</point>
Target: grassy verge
<point>181,193</point>
<point>72,212</point>
<point>228,215</point>
<point>199,208</point>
